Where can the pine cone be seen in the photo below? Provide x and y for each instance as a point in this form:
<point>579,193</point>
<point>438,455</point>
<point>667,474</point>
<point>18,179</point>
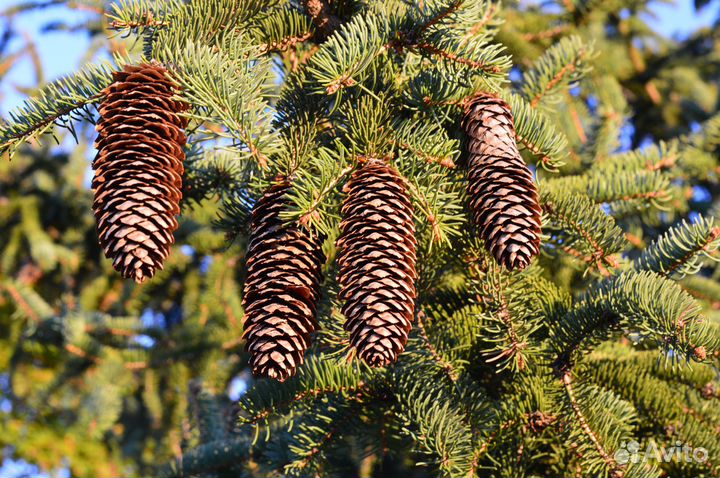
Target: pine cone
<point>503,197</point>
<point>138,169</point>
<point>282,289</point>
<point>377,263</point>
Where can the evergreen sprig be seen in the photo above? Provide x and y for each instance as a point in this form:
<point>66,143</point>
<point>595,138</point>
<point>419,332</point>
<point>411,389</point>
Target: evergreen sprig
<point>59,103</point>
<point>580,228</point>
<point>681,250</point>
<point>562,65</point>
<point>644,303</point>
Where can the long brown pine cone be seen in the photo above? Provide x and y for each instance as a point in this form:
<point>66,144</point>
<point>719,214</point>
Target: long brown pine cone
<point>138,169</point>
<point>503,197</point>
<point>282,288</point>
<point>377,263</point>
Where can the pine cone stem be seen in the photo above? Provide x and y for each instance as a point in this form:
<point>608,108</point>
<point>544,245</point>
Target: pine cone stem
<point>282,288</point>
<point>377,263</point>
<point>138,169</point>
<point>503,197</point>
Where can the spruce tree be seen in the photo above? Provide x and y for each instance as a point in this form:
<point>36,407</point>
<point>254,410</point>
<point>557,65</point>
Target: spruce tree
<point>450,238</point>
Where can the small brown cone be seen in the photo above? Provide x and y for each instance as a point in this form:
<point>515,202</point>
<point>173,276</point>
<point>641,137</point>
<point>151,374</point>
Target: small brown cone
<point>138,169</point>
<point>377,263</point>
<point>282,289</point>
<point>503,197</point>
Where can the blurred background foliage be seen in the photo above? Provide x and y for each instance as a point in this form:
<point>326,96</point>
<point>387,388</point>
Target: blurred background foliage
<point>101,377</point>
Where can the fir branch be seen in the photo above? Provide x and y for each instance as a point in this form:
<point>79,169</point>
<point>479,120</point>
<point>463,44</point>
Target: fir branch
<point>654,307</point>
<point>535,131</point>
<point>483,66</point>
<point>661,157</point>
<point>657,401</point>
<point>584,225</point>
<point>437,202</point>
<point>438,16</point>
<point>510,349</point>
<point>342,61</point>
<point>237,101</point>
<point>315,190</point>
<point>282,29</point>
<point>28,302</point>
<point>55,104</point>
<point>561,65</point>
<point>436,424</point>
<point>286,42</point>
<point>428,141</point>
<point>616,471</point>
<point>315,379</point>
<point>681,249</point>
<point>444,364</point>
<point>140,16</point>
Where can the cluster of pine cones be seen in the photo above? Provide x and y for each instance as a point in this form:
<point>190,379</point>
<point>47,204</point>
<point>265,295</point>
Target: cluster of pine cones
<point>138,183</point>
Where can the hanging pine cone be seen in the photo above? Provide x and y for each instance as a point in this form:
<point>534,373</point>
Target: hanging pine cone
<point>503,196</point>
<point>282,289</point>
<point>138,169</point>
<point>377,263</point>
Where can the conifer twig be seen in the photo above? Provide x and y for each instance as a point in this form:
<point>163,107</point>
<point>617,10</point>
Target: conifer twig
<point>444,364</point>
<point>616,471</point>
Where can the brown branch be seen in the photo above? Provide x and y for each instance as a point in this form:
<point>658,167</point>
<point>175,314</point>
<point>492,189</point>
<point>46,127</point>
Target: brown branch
<point>147,22</point>
<point>452,8</point>
<point>286,42</point>
<point>545,34</point>
<point>578,124</point>
<point>441,160</point>
<point>305,462</point>
<point>78,352</point>
<point>516,346</point>
<point>50,119</point>
<point>110,330</point>
<point>230,344</point>
<point>703,247</point>
<point>653,93</point>
<point>599,254</point>
<point>568,68</point>
<point>534,149</point>
<point>616,470</point>
<point>437,234</point>
<point>457,59</point>
<point>664,163</point>
<point>312,212</point>
<point>535,422</point>
<point>647,195</point>
<point>17,297</point>
<point>591,260</point>
<point>484,20</point>
<point>314,393</point>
